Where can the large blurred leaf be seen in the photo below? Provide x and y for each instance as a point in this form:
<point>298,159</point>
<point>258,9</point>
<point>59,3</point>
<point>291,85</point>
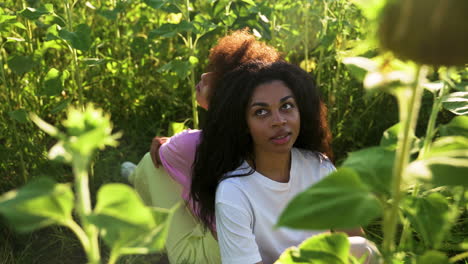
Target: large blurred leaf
<point>389,139</point>
<point>429,216</point>
<point>21,64</point>
<point>370,8</point>
<point>374,166</point>
<point>126,223</point>
<point>323,205</point>
<point>80,39</point>
<point>39,203</point>
<point>445,164</point>
<point>35,13</point>
<point>456,103</point>
<point>458,126</point>
<point>360,66</point>
<point>320,249</point>
<point>433,257</point>
<point>19,115</point>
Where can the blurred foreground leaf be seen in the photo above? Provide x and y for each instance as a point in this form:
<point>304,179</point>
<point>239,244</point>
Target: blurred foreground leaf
<point>39,203</point>
<point>126,224</point>
<point>320,249</point>
<point>340,193</point>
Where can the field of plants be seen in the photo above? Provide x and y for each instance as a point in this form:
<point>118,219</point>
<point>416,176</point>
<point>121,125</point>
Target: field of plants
<point>86,85</point>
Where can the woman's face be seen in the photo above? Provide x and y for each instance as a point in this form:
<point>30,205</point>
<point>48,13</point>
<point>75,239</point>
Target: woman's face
<point>203,89</point>
<point>273,118</point>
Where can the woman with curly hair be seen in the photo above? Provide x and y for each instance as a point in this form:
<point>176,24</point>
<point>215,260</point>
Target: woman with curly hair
<point>266,139</point>
<point>169,184</point>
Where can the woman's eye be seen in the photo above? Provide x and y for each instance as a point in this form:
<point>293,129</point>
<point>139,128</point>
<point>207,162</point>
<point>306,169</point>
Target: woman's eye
<point>261,112</point>
<point>287,106</point>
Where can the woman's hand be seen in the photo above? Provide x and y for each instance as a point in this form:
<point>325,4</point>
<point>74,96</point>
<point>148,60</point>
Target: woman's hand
<point>154,149</point>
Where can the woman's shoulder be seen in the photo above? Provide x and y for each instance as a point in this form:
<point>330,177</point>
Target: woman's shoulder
<point>233,183</point>
<point>313,157</point>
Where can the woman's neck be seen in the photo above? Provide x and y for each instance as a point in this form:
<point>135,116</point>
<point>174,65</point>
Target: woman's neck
<point>275,166</point>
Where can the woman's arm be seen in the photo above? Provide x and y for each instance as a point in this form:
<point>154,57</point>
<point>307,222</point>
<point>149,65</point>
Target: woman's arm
<point>154,150</point>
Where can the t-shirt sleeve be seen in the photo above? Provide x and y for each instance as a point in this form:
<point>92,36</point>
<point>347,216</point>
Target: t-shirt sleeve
<point>177,156</point>
<point>234,229</point>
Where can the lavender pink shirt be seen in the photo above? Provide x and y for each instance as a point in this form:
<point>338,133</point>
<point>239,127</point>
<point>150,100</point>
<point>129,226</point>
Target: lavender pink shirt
<point>177,156</point>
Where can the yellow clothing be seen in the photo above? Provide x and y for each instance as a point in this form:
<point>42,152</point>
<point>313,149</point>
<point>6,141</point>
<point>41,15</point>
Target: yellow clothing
<point>186,241</point>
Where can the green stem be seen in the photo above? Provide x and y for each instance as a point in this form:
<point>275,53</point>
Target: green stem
<point>306,37</point>
<point>113,257</point>
<point>76,70</point>
<point>80,234</point>
<point>83,206</point>
<point>409,111</point>
<point>191,47</point>
<point>459,257</point>
<point>430,131</point>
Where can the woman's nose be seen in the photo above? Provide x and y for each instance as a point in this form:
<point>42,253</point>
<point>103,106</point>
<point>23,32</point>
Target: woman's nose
<point>278,118</point>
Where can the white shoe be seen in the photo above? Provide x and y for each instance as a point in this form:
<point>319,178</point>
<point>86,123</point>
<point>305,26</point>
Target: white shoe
<point>126,169</point>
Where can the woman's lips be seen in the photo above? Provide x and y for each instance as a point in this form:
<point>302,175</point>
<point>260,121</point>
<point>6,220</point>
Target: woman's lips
<point>280,140</point>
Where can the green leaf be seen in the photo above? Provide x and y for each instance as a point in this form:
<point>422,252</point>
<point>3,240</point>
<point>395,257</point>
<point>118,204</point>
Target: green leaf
<point>21,64</point>
<point>434,87</point>
<point>456,103</point>
<point>250,2</point>
<point>374,166</point>
<point>80,39</point>
<point>125,222</point>
<point>88,131</point>
<point>462,86</point>
<point>53,83</point>
<point>433,257</point>
<point>429,216</point>
<point>389,139</point>
<point>33,13</point>
<point>341,193</point>
<point>94,61</point>
<point>169,30</point>
<point>370,8</point>
<point>7,19</point>
<point>445,164</point>
<point>60,106</point>
<point>320,249</point>
<point>165,31</point>
<point>458,126</point>
<point>156,4</point>
<point>19,115</point>
<point>179,67</point>
<point>39,203</point>
<point>176,127</point>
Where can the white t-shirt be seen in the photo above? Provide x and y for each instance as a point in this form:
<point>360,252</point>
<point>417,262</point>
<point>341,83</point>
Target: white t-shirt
<point>248,207</point>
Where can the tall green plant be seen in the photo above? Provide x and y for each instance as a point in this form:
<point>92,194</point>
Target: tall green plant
<point>125,224</point>
<point>390,181</point>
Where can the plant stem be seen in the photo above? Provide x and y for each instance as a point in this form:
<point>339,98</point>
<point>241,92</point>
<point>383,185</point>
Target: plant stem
<point>83,206</point>
<point>191,47</point>
<point>76,70</point>
<point>113,257</point>
<point>409,111</point>
<point>459,257</point>
<point>79,233</point>
<point>306,37</point>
